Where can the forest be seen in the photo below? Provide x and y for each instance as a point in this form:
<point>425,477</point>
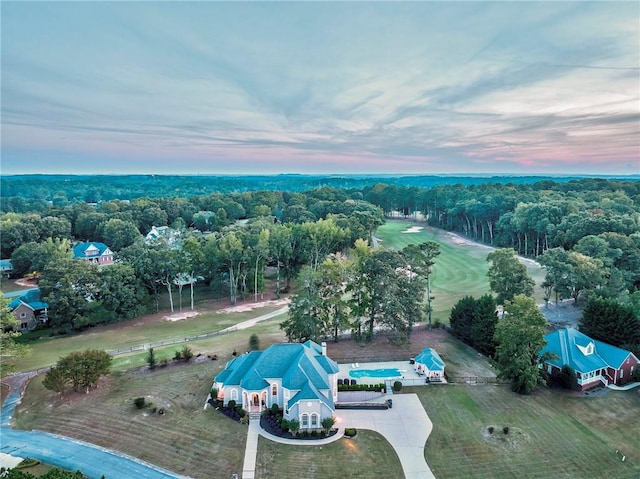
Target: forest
<point>586,232</point>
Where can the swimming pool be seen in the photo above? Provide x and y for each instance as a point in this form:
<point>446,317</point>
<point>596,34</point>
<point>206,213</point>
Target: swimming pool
<point>376,373</point>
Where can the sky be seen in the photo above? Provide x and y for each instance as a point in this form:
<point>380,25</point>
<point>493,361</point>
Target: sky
<point>320,87</point>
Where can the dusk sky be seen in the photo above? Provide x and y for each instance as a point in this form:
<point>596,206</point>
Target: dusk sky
<point>320,87</point>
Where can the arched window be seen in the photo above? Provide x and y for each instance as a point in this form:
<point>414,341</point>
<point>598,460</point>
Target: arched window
<point>304,420</point>
<point>234,394</point>
<point>274,389</point>
<point>314,420</point>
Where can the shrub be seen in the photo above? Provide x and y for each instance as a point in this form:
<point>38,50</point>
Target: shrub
<point>151,359</point>
<point>241,411</point>
<point>505,429</point>
<point>244,420</point>
<point>177,356</point>
<point>275,409</point>
<point>214,393</point>
<point>327,424</point>
<point>254,342</point>
<point>397,386</point>
<point>294,426</point>
<point>565,378</point>
<point>187,354</point>
<point>140,402</point>
<point>163,362</point>
<point>231,404</point>
<point>491,429</point>
<point>350,432</point>
<point>234,353</point>
<point>154,410</point>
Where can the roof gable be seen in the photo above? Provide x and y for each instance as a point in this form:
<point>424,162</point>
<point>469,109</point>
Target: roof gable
<point>30,298</point>
<point>90,250</point>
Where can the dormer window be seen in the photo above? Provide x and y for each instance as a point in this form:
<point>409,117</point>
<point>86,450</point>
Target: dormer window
<point>586,350</point>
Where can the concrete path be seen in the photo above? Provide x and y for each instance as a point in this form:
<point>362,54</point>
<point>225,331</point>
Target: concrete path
<point>406,426</point>
<point>252,322</point>
<point>251,450</point>
<point>623,388</point>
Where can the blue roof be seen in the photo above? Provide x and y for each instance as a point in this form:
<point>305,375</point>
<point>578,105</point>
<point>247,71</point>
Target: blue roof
<point>30,298</point>
<point>431,359</point>
<point>582,353</point>
<point>5,264</point>
<point>80,249</point>
<point>301,367</point>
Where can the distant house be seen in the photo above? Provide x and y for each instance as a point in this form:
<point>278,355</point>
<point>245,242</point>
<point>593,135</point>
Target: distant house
<point>593,361</point>
<point>6,268</point>
<point>299,378</point>
<point>170,235</point>
<point>430,364</point>
<point>94,252</point>
<point>28,308</point>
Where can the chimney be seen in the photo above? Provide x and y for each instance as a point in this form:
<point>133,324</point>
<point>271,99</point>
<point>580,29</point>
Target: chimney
<point>324,348</point>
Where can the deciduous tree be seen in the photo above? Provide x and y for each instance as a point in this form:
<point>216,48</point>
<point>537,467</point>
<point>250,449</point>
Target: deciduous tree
<point>520,337</point>
<point>508,277</point>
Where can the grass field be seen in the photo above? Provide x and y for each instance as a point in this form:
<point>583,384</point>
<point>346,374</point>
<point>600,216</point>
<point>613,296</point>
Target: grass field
<point>368,456</point>
<point>552,434</point>
<point>460,269</point>
<point>135,332</point>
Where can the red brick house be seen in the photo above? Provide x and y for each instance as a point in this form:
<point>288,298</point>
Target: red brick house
<point>593,361</point>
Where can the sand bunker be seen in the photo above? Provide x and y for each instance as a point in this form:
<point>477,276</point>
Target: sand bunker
<point>251,306</point>
<point>179,316</point>
<point>413,229</point>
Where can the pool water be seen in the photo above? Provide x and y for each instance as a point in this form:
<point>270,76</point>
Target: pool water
<point>376,373</point>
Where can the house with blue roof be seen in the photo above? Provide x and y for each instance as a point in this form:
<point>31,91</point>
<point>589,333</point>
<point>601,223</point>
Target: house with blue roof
<point>94,252</point>
<point>593,361</point>
<point>28,309</point>
<point>6,268</point>
<point>299,378</point>
<point>429,363</point>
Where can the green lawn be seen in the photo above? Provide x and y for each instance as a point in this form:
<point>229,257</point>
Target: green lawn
<point>459,270</point>
<point>552,434</point>
<point>135,332</point>
<point>368,456</point>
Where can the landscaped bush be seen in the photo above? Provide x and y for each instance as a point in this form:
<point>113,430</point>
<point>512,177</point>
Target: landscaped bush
<point>350,432</point>
<point>359,387</point>
<point>231,404</point>
<point>491,429</point>
<point>214,393</point>
<point>275,409</point>
<point>140,402</point>
<point>505,429</point>
<point>397,386</point>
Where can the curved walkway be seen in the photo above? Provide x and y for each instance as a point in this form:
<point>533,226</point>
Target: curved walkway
<point>625,387</point>
<point>406,426</point>
<point>60,451</point>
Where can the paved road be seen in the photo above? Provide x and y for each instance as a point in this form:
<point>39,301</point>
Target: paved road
<point>70,454</point>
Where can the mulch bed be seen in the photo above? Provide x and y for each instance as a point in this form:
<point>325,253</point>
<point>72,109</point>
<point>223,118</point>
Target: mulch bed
<point>271,424</point>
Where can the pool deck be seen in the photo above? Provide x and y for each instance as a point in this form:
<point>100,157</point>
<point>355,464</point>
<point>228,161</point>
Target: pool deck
<point>406,369</point>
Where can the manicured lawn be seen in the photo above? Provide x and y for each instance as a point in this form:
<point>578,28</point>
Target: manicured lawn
<point>459,270</point>
<point>552,434</point>
<point>135,332</point>
<point>368,456</point>
<point>186,439</point>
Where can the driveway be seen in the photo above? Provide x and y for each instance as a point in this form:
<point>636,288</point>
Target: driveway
<point>70,454</point>
<point>406,426</point>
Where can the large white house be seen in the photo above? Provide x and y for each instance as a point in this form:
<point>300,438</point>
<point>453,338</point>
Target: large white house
<point>299,378</point>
